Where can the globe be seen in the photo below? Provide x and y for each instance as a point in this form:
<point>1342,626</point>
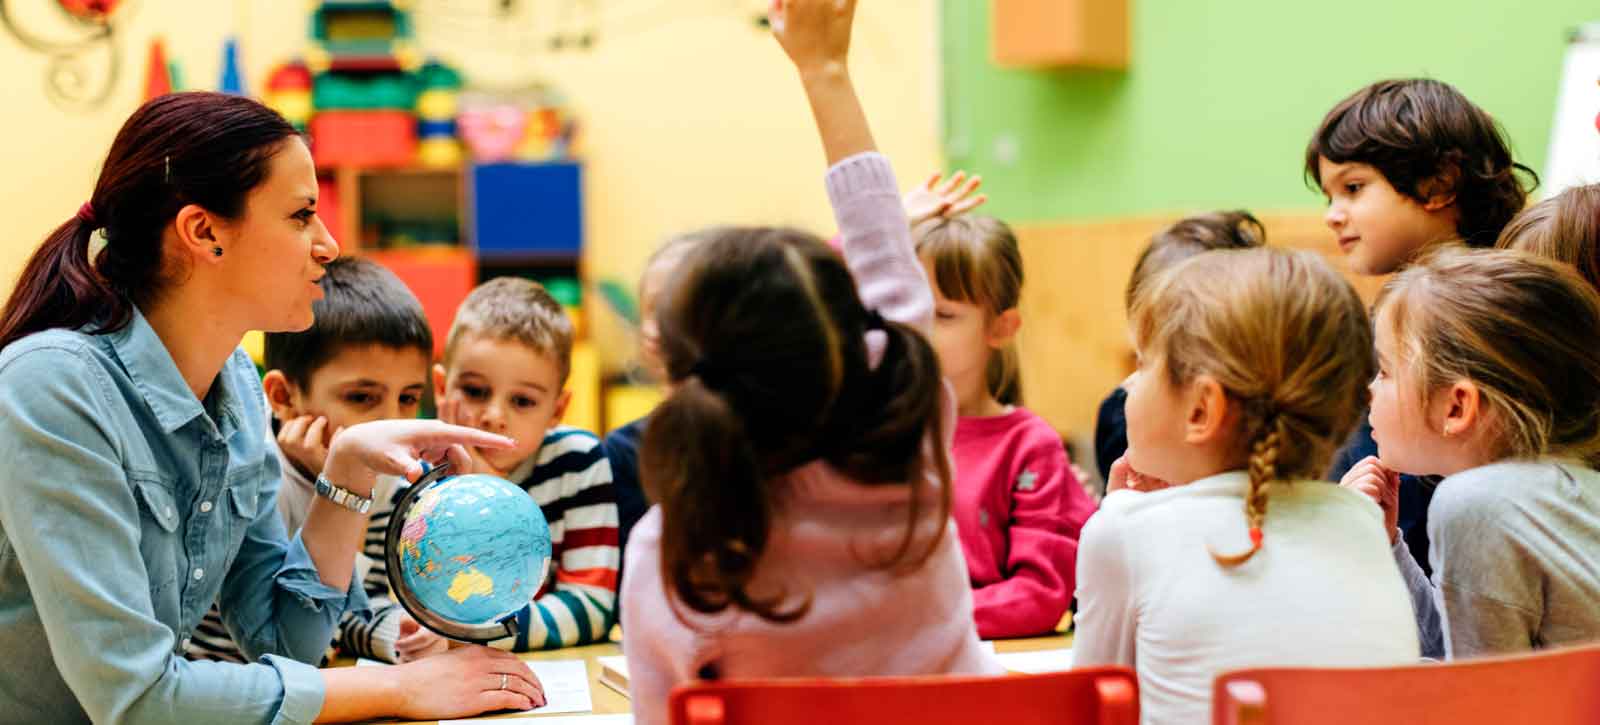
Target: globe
<point>466,553</point>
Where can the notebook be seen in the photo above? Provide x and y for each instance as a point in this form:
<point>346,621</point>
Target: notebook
<point>614,673</point>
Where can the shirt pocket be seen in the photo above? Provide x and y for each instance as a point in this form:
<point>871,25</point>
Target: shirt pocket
<point>243,496</point>
<point>159,543</point>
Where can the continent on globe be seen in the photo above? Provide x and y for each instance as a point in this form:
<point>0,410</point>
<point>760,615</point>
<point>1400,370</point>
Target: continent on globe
<point>470,583</point>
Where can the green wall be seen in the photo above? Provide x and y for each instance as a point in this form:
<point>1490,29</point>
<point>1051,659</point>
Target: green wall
<point>1222,95</point>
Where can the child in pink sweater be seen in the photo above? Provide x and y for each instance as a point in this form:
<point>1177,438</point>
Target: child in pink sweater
<point>800,467</point>
<point>1018,505</point>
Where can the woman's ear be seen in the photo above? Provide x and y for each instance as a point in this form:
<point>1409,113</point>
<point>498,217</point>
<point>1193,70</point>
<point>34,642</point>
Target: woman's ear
<point>282,395</point>
<point>198,235</point>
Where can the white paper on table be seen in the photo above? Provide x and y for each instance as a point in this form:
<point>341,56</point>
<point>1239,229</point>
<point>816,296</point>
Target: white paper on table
<point>566,686</point>
<point>557,720</point>
<point>364,662</point>
<point>566,689</point>
<point>1035,663</point>
<point>561,720</point>
<point>987,646</point>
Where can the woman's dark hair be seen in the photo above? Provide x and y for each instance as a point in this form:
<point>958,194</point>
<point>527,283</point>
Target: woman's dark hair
<point>1428,140</point>
<point>763,334</point>
<point>208,149</point>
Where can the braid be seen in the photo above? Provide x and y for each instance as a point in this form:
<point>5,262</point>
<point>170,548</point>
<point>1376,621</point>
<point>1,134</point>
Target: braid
<point>1263,471</point>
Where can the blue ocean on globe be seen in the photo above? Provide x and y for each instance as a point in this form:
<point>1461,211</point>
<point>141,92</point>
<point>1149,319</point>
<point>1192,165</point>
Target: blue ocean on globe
<point>473,549</point>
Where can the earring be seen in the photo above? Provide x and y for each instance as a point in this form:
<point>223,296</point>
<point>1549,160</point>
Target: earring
<point>216,251</point>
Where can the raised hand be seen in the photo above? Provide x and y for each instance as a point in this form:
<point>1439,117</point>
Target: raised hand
<point>1371,479</point>
<point>815,33</point>
<point>952,198</point>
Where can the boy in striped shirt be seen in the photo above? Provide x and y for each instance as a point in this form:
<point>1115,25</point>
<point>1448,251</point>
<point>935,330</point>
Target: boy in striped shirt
<point>505,371</point>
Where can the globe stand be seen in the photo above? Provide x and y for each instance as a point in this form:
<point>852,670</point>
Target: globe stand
<point>474,634</point>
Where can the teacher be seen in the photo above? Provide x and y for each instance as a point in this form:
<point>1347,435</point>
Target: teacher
<point>136,482</point>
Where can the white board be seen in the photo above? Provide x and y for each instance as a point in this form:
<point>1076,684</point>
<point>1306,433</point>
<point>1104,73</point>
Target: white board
<point>1575,137</point>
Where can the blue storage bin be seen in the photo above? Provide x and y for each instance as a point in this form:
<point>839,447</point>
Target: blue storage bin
<point>526,210</point>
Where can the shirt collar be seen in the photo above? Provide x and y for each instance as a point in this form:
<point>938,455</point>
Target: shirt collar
<point>155,374</point>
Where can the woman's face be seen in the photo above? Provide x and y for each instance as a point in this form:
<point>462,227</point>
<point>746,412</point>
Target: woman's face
<point>273,255</point>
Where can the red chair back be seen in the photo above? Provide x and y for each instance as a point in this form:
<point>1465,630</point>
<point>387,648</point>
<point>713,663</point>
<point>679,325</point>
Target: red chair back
<point>1553,687</point>
<point>1096,696</point>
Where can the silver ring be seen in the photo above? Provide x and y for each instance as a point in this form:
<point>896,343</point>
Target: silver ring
<point>502,680</point>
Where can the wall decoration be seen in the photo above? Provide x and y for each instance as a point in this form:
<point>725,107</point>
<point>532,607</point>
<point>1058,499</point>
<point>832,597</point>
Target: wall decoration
<point>81,41</point>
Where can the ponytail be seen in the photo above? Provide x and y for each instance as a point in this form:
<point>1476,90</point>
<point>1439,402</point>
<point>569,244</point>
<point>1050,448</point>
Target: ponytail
<point>898,429</point>
<point>708,480</point>
<point>61,288</point>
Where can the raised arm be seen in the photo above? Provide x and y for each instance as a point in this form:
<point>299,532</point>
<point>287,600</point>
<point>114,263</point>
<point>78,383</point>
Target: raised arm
<point>861,184</point>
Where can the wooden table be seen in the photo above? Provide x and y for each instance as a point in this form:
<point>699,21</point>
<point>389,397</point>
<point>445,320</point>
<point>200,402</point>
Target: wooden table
<point>608,701</point>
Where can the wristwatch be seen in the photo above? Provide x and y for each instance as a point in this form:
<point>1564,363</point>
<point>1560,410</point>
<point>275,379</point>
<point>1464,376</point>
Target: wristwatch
<point>343,496</point>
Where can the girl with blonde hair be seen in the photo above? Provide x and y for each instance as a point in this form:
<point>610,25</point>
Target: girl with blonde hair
<point>1250,374</point>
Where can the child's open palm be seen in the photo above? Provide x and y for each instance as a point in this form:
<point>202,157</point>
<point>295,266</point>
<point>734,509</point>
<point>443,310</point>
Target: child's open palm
<point>951,198</point>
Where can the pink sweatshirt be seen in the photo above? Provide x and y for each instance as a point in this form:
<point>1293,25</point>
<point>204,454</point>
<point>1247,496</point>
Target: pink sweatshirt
<point>1019,509</point>
<point>863,620</point>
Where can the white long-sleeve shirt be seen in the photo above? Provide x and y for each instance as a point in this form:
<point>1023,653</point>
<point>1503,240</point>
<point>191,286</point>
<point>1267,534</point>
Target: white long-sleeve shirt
<point>1323,591</point>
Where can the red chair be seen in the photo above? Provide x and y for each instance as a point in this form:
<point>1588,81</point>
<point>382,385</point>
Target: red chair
<point>1554,687</point>
<point>1096,696</point>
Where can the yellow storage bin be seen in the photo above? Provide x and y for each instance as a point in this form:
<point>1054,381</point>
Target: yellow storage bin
<point>584,384</point>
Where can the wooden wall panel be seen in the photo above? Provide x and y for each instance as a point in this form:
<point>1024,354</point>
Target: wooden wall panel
<point>1074,340</point>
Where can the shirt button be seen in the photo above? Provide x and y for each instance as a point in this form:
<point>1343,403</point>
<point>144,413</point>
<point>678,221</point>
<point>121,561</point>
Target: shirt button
<point>205,507</point>
<point>199,574</point>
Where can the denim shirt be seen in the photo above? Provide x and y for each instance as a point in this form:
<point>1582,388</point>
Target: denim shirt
<point>126,508</point>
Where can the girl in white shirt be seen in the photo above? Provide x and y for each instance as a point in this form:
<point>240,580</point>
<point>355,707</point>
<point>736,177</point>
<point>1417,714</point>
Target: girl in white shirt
<point>1251,369</point>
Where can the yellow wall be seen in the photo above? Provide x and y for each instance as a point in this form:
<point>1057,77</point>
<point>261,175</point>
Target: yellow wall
<point>688,120</point>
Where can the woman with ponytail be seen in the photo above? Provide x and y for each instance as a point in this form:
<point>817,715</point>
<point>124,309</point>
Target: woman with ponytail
<point>139,485</point>
<point>800,468</point>
<point>1251,371</point>
<point>1489,376</point>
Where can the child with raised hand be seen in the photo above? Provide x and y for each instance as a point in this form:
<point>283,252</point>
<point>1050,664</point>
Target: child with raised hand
<point>800,465</point>
<point>1489,376</point>
<point>1407,165</point>
<point>1187,237</point>
<point>1018,504</point>
<point>1251,368</point>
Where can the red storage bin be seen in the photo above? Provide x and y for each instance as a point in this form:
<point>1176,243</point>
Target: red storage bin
<point>364,138</point>
<point>440,278</point>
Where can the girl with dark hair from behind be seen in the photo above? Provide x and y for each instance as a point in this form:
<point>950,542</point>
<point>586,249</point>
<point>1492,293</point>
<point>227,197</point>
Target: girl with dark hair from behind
<point>801,466</point>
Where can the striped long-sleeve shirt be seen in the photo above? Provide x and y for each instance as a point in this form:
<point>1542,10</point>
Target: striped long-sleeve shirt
<point>570,479</point>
